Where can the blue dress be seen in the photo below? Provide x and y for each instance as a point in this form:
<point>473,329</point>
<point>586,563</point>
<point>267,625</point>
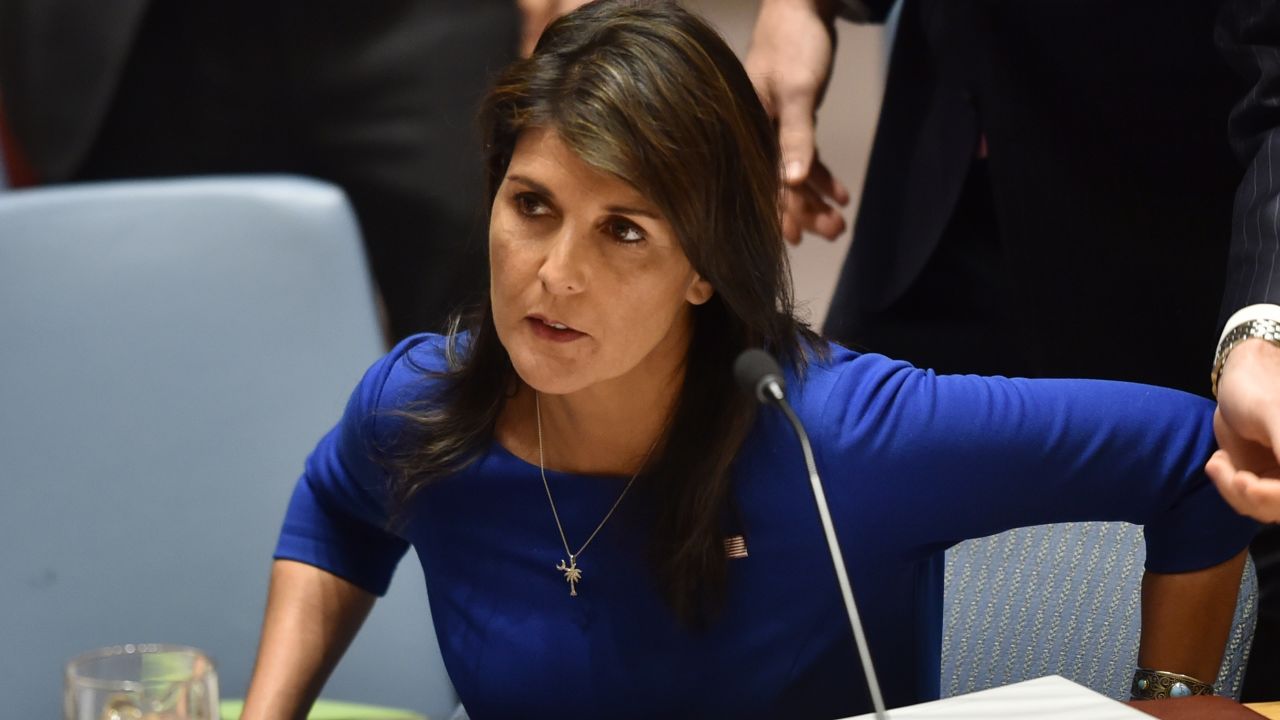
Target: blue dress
<point>912,463</point>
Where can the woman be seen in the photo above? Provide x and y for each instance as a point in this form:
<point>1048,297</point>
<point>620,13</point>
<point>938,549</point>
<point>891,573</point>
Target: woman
<point>570,468</point>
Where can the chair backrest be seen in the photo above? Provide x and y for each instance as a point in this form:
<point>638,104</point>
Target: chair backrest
<point>4,170</point>
<point>1061,599</point>
<point>170,351</point>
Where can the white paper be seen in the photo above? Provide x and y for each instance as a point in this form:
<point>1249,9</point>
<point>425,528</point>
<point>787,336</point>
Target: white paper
<point>1047,698</point>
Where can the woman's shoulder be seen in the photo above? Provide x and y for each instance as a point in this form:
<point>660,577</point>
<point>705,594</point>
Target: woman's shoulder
<point>411,373</point>
<point>835,369</point>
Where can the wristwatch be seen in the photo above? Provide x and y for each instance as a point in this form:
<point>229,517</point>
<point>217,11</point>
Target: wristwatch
<point>1262,328</point>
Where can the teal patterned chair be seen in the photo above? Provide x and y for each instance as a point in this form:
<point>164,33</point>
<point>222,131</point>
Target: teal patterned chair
<point>1059,599</point>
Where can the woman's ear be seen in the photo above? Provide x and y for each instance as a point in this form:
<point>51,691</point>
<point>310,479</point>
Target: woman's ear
<point>699,291</point>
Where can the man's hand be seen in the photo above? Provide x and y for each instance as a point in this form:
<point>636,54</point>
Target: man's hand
<point>790,64</point>
<point>537,15</point>
<point>1246,469</point>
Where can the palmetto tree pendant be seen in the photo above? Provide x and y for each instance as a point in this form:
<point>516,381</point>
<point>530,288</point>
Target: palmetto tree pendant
<point>572,574</point>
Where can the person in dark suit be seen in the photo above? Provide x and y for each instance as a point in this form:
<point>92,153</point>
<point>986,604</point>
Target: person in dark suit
<point>1247,369</point>
<point>375,97</point>
<point>1049,193</point>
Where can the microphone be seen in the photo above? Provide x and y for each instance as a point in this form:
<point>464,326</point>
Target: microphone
<point>758,373</point>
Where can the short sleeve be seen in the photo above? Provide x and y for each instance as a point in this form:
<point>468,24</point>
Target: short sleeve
<point>338,516</point>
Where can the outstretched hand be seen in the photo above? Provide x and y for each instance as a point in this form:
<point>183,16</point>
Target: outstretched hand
<point>790,63</point>
<point>1246,468</point>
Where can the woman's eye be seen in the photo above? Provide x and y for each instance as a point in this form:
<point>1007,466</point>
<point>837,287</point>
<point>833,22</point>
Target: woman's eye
<point>625,232</point>
<point>531,205</point>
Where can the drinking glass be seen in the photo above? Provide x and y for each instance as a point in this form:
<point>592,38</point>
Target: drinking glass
<point>141,682</point>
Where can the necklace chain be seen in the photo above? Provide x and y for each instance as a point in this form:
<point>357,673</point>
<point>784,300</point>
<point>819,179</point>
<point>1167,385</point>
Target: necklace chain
<point>572,573</point>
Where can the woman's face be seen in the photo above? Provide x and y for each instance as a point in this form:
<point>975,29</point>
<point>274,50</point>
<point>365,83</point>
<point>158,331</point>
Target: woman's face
<point>589,283</point>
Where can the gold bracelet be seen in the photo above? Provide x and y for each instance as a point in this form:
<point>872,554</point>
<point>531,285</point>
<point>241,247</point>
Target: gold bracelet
<point>1151,684</point>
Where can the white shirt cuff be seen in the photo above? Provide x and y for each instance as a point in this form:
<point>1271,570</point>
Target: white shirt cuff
<point>1249,313</point>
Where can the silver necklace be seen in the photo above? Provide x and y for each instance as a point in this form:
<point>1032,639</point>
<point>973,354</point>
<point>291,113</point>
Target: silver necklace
<point>573,573</point>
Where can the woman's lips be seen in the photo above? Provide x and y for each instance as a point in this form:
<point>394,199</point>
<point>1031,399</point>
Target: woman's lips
<point>547,330</point>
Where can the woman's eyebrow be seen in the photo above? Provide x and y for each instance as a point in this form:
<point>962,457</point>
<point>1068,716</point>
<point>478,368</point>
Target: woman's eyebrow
<point>532,184</point>
<point>627,210</point>
<point>619,209</point>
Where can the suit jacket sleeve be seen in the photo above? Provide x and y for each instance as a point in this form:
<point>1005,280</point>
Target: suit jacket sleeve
<point>1249,36</point>
<point>864,11</point>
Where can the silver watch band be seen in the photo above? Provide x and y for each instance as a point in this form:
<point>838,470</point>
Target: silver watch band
<point>1261,328</point>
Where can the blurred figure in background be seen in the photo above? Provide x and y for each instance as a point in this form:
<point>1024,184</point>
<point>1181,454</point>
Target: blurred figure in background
<point>378,98</point>
<point>1247,374</point>
<point>1050,194</point>
<point>537,14</point>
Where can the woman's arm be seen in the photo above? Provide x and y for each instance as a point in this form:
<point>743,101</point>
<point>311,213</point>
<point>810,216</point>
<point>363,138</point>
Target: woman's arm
<point>948,458</point>
<point>1186,618</point>
<point>311,618</point>
<point>944,459</point>
<point>335,554</point>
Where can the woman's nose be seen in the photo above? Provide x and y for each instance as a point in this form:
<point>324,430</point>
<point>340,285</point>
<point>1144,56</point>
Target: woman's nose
<point>565,268</point>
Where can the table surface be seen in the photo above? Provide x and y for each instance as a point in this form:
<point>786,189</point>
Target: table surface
<point>331,709</point>
<point>1266,709</point>
<point>1056,698</point>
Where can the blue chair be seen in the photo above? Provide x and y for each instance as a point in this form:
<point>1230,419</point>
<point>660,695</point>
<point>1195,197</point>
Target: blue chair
<point>171,352</point>
<point>1060,599</point>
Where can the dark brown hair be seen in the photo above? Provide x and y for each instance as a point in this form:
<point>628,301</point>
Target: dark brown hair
<point>648,92</point>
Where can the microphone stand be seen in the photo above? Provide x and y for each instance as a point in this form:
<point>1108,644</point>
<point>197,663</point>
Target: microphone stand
<point>759,374</point>
<point>837,558</point>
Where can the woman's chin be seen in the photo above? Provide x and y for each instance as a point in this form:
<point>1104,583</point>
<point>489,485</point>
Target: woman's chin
<point>546,376</point>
